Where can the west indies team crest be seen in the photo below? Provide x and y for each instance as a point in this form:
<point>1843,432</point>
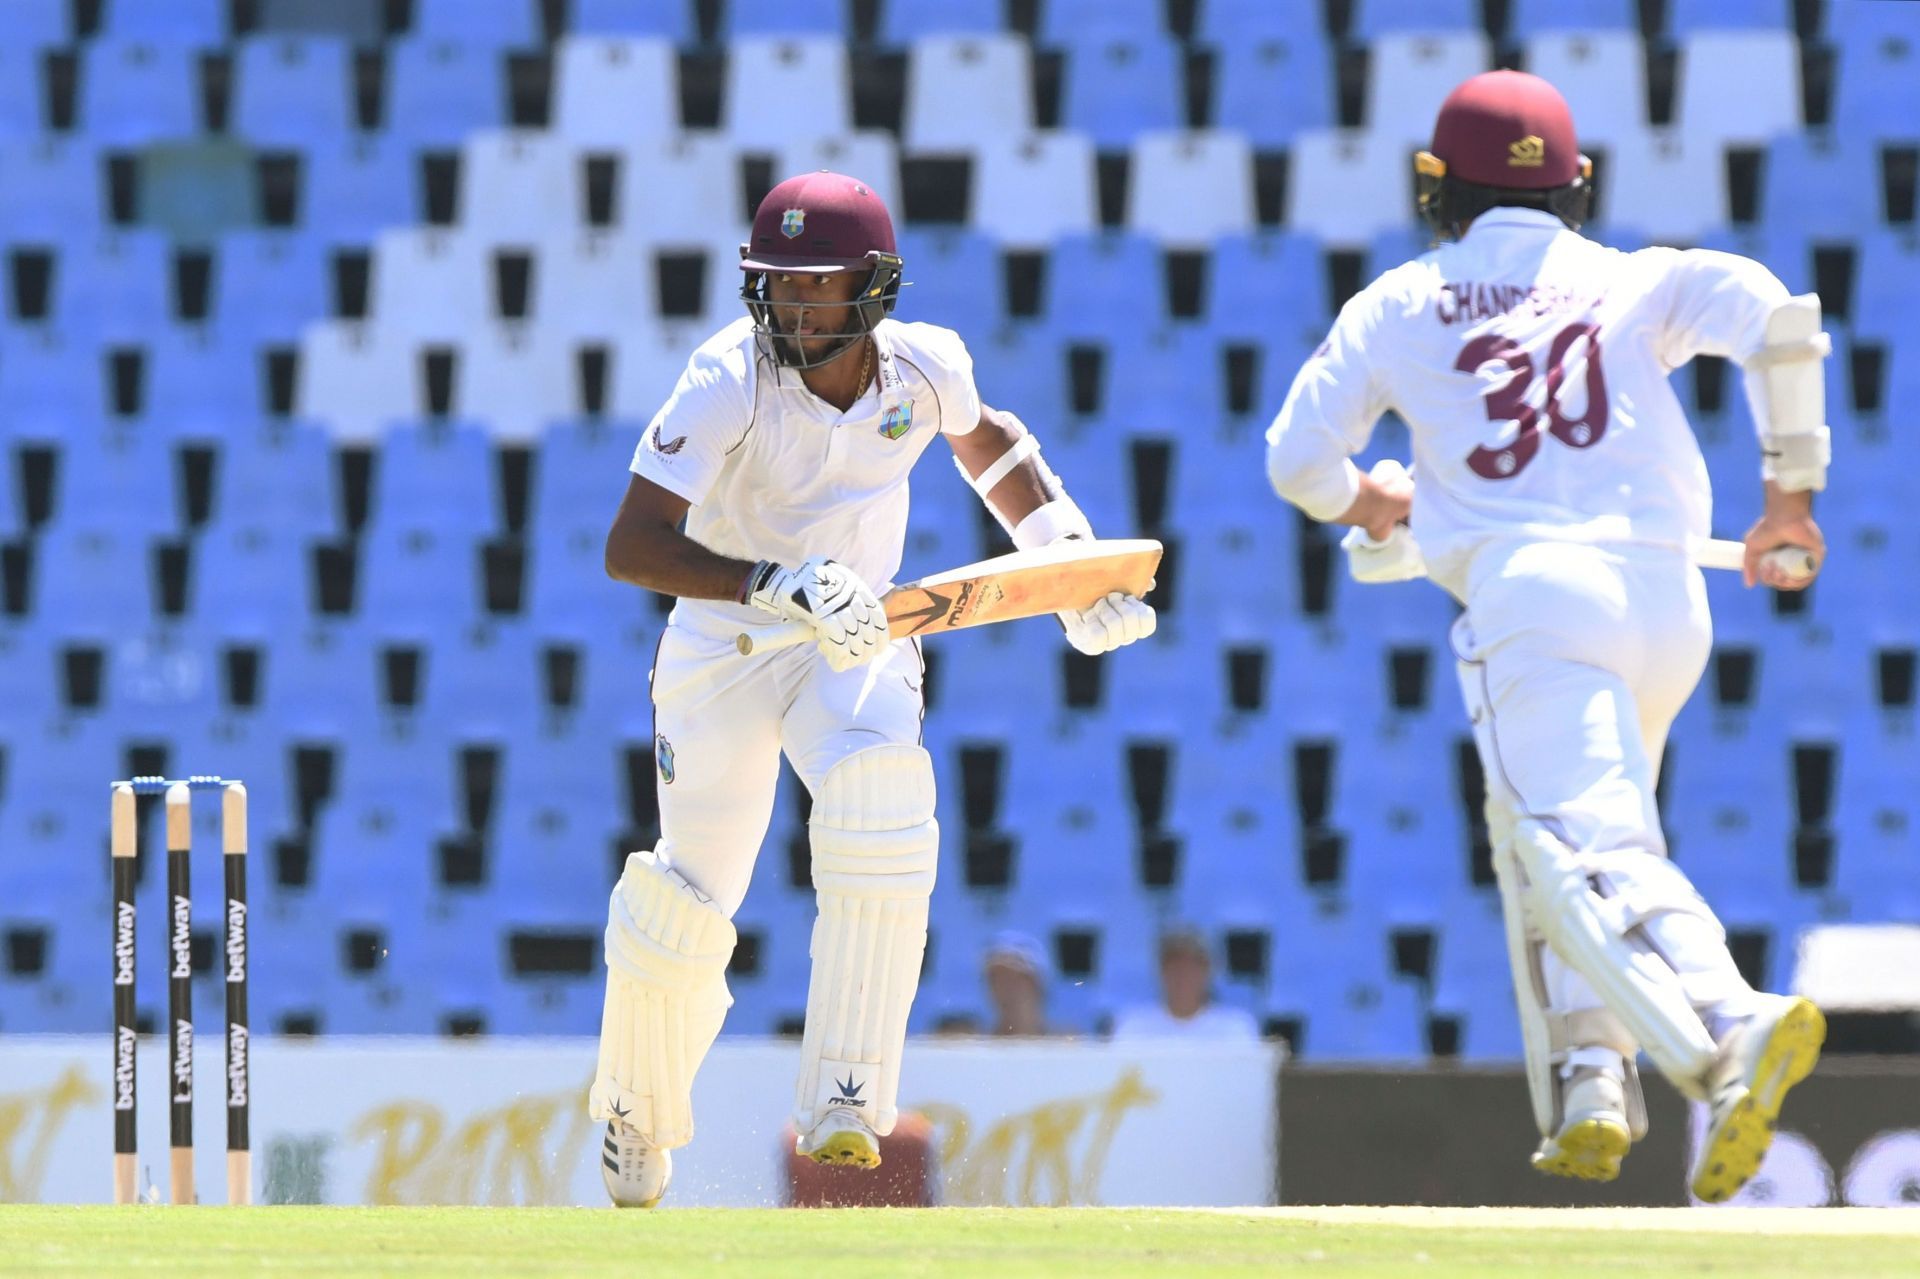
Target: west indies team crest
<point>898,420</point>
<point>663,754</point>
<point>793,222</point>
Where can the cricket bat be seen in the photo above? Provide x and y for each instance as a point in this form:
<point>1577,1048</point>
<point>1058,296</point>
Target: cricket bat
<point>1067,575</point>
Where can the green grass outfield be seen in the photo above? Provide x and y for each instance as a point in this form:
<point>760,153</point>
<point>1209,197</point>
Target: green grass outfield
<point>1001,1243</point>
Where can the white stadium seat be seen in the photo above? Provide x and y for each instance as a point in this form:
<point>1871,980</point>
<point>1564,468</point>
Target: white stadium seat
<point>1410,75</point>
<point>611,90</point>
<point>1670,189</point>
<point>1029,190</point>
<point>593,285</point>
<point>780,91</point>
<point>645,365</point>
<point>516,380</point>
<point>868,154</point>
<point>1346,186</point>
<point>1737,87</point>
<point>356,381</point>
<point>431,284</point>
<point>1189,188</point>
<point>679,190</point>
<point>1602,75</point>
<point>516,185</point>
<point>966,90</point>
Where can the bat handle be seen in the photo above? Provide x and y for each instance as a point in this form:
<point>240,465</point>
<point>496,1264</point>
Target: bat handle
<point>785,635</point>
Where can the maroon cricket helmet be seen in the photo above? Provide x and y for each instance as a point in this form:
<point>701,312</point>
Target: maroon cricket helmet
<point>820,224</point>
<point>1500,133</point>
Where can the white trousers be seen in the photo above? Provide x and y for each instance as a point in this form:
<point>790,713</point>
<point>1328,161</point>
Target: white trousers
<point>721,722</point>
<point>1574,661</point>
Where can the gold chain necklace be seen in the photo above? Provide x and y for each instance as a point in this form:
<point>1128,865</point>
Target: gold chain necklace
<point>866,367</point>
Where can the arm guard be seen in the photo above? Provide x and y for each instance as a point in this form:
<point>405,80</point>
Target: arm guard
<point>1787,388</point>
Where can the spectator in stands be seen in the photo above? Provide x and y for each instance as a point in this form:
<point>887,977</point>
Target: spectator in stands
<point>1015,972</point>
<point>1187,1010</point>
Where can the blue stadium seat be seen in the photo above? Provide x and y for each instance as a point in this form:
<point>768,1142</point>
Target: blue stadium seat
<point>269,285</point>
<point>551,857</point>
<point>115,288</point>
<point>51,388</point>
<point>90,580</point>
<point>1472,981</point>
<point>672,19</point>
<point>1248,271</point>
<point>1876,90</point>
<point>22,95</point>
<point>785,18</point>
<point>356,187</point>
<point>1066,21</point>
<point>953,279</point>
<point>292,91</point>
<point>1103,287</point>
<point>1271,89</point>
<point>1886,280</point>
<point>1531,17</point>
<point>580,471</point>
<point>278,474</point>
<point>1687,16</point>
<point>1224,22</point>
<point>1173,380</point>
<point>250,580</point>
<point>1118,87</point>
<point>50,188</point>
<point>1024,371</point>
<point>1375,18</point>
<point>201,386</point>
<point>133,93</point>
<point>438,91</point>
<point>109,481</point>
<point>420,580</point>
<point>435,475</point>
<point>199,23</point>
<point>500,22</point>
<point>905,21</point>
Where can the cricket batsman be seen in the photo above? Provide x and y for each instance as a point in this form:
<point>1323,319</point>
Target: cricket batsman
<point>785,448</point>
<point>1559,496</point>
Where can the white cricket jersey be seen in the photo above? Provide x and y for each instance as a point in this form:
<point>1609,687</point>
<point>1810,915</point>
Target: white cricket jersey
<point>1530,365</point>
<point>773,472</point>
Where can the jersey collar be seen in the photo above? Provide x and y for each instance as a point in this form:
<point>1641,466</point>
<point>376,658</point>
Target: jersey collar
<point>1508,215</point>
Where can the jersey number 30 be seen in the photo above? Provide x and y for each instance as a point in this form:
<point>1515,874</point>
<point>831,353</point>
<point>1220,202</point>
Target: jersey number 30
<point>1507,402</point>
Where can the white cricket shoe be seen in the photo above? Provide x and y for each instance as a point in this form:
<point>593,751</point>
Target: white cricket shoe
<point>1761,1056</point>
<point>842,1140</point>
<point>635,1170</point>
<point>1595,1135</point>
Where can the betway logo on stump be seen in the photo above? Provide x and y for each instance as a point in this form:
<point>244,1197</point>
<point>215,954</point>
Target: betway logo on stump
<point>236,1066</point>
<point>236,941</point>
<point>183,1060</point>
<point>123,1046</point>
<point>123,944</point>
<point>181,943</point>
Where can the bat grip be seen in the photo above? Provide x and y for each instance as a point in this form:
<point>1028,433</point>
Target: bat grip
<point>1724,553</point>
<point>767,640</point>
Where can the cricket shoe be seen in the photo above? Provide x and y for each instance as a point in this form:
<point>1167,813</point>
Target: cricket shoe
<point>840,1140</point>
<point>1761,1056</point>
<point>635,1170</point>
<point>1595,1135</point>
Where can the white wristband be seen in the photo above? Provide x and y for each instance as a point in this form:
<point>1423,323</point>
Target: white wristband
<point>1047,524</point>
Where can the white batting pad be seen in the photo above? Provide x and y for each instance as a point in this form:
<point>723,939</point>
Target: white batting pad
<point>1593,934</point>
<point>667,950</point>
<point>875,851</point>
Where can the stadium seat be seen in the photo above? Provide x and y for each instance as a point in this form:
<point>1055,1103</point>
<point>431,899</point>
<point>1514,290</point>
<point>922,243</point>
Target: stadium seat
<point>1686,17</point>
<point>1602,75</point>
<point>1409,76</point>
<point>249,580</point>
<point>1172,381</point>
<point>421,582</point>
<point>518,185</point>
<point>357,187</point>
<point>646,366</point>
<point>1661,185</point>
<point>278,474</point>
<point>767,77</point>
<point>668,19</point>
<point>1031,189</point>
<point>93,581</point>
<point>50,188</point>
<point>40,24</point>
<point>1347,186</point>
<point>51,387</point>
<point>1876,76</point>
<point>952,279</point>
<point>904,21</point>
<point>268,285</point>
<point>434,475</point>
<point>746,19</point>
<point>1716,64</point>
<point>1224,22</point>
<point>1529,18</point>
<point>1249,271</point>
<point>438,91</point>
<point>498,22</point>
<point>1823,185</point>
<point>133,92</point>
<point>1274,88</point>
<point>992,75</point>
<point>612,90</point>
<point>355,380</point>
<point>431,285</point>
<point>1065,21</point>
<point>681,189</point>
<point>22,96</point>
<point>200,386</point>
<point>515,380</point>
<point>1116,87</point>
<point>198,23</point>
<point>1887,278</point>
<point>1102,286</point>
<point>867,154</point>
<point>114,288</point>
<point>1373,19</point>
<point>582,466</point>
<point>292,92</point>
<point>1188,189</point>
<point>593,286</point>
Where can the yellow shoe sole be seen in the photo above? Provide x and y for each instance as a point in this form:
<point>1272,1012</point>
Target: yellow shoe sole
<point>1737,1145</point>
<point>847,1150</point>
<point>1590,1150</point>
